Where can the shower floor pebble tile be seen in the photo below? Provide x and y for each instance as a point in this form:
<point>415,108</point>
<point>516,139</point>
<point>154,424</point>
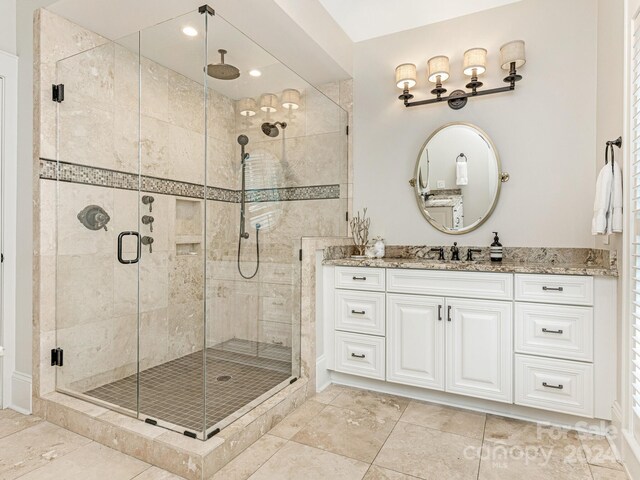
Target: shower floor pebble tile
<point>418,441</point>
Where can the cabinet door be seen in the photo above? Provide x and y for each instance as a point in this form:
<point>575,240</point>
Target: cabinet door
<point>480,349</point>
<point>415,340</point>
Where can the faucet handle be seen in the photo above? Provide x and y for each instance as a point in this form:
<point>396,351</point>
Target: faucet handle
<point>440,252</point>
<point>470,253</point>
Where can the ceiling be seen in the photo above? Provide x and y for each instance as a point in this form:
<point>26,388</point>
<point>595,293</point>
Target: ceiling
<point>365,19</point>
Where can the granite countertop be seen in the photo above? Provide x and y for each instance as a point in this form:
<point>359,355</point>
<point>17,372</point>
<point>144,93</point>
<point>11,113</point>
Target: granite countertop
<point>563,261</point>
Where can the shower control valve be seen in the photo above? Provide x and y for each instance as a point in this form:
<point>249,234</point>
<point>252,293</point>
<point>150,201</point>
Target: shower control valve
<point>148,200</point>
<point>148,220</point>
<point>147,241</point>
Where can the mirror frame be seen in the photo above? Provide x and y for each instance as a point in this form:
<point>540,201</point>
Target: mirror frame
<point>416,182</point>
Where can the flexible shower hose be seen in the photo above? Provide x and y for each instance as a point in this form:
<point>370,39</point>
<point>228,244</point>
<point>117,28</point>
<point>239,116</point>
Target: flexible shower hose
<point>257,255</point>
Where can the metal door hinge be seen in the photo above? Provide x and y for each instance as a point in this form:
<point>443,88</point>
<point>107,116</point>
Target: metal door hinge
<point>346,216</point>
<point>347,129</point>
<point>57,93</point>
<point>300,255</point>
<point>57,357</point>
<point>187,433</point>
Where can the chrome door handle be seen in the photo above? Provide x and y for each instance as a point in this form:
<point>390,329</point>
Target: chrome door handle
<point>358,356</point>
<point>359,278</point>
<point>553,289</point>
<point>358,312</point>
<point>552,331</point>
<point>557,387</point>
<point>138,248</point>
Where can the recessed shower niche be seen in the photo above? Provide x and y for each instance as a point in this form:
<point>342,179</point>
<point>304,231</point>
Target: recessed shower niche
<point>175,315</point>
<point>188,226</point>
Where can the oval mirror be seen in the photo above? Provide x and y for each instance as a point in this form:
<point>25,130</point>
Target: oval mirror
<point>457,178</point>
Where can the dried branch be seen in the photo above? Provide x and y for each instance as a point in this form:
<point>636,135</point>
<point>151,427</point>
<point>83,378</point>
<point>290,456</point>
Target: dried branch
<point>360,231</point>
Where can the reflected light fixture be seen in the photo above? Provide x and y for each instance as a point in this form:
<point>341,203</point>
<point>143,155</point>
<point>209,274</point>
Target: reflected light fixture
<point>247,107</point>
<point>255,72</point>
<point>269,103</point>
<point>190,31</point>
<point>512,57</point>
<point>291,99</point>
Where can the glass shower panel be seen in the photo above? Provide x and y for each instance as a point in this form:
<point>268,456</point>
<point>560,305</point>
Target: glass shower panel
<point>172,223</point>
<point>97,164</point>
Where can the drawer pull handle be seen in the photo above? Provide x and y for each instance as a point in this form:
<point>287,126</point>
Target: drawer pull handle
<point>358,312</point>
<point>359,278</point>
<point>355,355</point>
<point>545,330</point>
<point>553,289</point>
<point>439,312</point>
<point>557,387</point>
<point>448,313</point>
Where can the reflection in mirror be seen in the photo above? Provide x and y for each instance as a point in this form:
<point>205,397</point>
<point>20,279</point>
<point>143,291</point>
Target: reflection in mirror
<point>457,178</point>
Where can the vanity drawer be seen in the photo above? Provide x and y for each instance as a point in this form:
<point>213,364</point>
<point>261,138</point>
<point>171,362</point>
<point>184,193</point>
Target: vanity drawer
<point>361,355</point>
<point>554,331</point>
<point>567,289</point>
<point>493,286</point>
<point>359,278</point>
<point>557,385</point>
<point>360,312</point>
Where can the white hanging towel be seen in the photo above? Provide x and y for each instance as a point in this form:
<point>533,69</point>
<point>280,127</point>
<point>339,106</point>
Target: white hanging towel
<point>614,218</point>
<point>462,176</point>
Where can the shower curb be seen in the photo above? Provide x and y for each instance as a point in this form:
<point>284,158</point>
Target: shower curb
<point>190,458</point>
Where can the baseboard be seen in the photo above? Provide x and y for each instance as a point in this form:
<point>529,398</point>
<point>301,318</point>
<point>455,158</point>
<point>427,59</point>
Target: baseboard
<point>21,393</point>
<point>323,377</point>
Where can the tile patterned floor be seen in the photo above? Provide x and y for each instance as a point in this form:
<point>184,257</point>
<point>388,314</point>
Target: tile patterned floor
<point>174,391</point>
<point>341,434</point>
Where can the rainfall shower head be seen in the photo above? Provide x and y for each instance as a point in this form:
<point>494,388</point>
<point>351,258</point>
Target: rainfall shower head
<point>222,71</point>
<point>271,129</point>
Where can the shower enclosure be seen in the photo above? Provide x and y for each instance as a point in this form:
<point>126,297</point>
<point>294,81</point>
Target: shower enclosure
<point>159,314</point>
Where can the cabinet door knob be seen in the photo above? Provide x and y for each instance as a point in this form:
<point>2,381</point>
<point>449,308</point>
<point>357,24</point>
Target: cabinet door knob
<point>552,289</point>
<point>557,387</point>
<point>545,330</point>
<point>355,355</point>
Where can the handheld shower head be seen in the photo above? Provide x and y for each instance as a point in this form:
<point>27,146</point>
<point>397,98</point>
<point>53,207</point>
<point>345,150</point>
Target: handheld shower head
<point>271,129</point>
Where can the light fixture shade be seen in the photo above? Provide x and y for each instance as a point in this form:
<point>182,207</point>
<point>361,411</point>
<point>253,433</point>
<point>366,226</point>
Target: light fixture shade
<point>247,107</point>
<point>406,73</point>
<point>475,59</point>
<point>438,66</point>
<point>512,52</point>
<point>269,103</point>
<point>291,99</point>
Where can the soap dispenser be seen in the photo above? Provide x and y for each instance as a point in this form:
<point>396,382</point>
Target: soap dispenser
<point>496,249</point>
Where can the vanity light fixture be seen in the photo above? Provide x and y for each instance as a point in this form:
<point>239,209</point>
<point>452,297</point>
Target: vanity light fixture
<point>290,99</point>
<point>269,103</point>
<point>247,107</point>
<point>512,57</point>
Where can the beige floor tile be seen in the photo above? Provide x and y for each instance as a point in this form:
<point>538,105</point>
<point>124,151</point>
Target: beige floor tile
<point>245,464</point>
<point>379,473</point>
<point>533,462</point>
<point>508,431</point>
<point>35,447</point>
<point>446,419</point>
<point>297,419</point>
<point>93,461</point>
<point>430,454</point>
<point>329,394</point>
<point>300,462</point>
<point>12,422</point>
<point>380,405</point>
<point>599,452</point>
<point>601,473</point>
<point>155,473</point>
<point>353,433</point>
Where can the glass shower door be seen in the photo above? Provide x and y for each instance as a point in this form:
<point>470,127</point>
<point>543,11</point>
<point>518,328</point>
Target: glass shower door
<point>97,224</point>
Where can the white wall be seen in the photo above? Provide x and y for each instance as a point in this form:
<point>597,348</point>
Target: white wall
<point>8,26</point>
<point>545,131</point>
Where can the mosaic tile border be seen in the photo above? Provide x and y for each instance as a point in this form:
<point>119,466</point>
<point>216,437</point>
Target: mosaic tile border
<point>102,177</point>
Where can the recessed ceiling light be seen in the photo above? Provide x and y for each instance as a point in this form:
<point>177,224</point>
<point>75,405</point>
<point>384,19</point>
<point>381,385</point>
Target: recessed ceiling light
<point>190,31</point>
<point>255,73</point>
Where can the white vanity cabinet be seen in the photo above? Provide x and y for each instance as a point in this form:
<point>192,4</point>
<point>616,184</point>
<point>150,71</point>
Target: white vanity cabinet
<point>533,341</point>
